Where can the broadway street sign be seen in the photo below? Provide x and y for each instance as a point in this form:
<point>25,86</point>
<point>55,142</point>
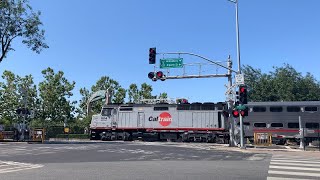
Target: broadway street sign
<point>171,63</point>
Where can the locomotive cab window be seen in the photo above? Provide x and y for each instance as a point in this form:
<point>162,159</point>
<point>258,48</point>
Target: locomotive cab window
<point>276,109</point>
<point>293,109</point>
<point>259,109</point>
<point>276,125</point>
<point>311,108</point>
<point>260,125</point>
<point>312,125</point>
<point>293,125</point>
<point>106,112</point>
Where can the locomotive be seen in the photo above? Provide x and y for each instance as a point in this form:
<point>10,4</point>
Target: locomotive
<point>162,120</point>
<point>159,120</point>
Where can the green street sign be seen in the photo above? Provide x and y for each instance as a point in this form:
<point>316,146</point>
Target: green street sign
<point>171,63</point>
<point>241,107</point>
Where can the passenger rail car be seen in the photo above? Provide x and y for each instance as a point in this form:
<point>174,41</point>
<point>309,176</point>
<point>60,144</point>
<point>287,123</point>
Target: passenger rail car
<point>178,122</point>
<point>282,119</point>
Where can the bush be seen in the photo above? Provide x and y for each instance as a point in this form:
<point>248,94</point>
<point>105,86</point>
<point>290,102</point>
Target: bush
<point>75,136</point>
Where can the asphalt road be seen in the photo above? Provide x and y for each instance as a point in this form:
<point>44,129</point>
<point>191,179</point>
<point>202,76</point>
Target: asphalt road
<point>128,160</point>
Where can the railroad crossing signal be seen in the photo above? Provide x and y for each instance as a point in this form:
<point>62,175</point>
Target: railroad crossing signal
<point>243,96</point>
<point>235,113</point>
<point>152,55</point>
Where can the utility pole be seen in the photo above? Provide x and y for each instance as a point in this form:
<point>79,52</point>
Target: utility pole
<point>230,104</point>
<point>25,101</point>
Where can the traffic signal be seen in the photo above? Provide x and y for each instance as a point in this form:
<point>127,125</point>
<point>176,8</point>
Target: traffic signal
<point>244,112</point>
<point>152,55</point>
<point>243,94</point>
<point>154,76</point>
<point>235,113</point>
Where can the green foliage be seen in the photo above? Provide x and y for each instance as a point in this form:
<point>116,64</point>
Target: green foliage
<point>282,84</point>
<point>133,93</point>
<point>17,19</point>
<point>12,97</point>
<point>55,91</point>
<point>163,96</point>
<point>103,83</point>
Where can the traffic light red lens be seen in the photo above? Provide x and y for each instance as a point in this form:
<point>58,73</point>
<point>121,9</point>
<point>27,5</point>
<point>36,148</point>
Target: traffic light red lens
<point>242,89</point>
<point>159,74</point>
<point>235,113</point>
<point>242,113</point>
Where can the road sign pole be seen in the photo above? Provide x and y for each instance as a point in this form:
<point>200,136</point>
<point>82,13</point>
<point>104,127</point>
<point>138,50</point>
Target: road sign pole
<point>241,133</point>
<point>301,134</point>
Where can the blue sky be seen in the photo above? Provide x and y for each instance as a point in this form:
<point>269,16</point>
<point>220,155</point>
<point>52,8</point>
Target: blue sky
<point>90,39</point>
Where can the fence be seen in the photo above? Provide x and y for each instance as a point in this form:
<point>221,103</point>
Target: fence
<point>264,139</point>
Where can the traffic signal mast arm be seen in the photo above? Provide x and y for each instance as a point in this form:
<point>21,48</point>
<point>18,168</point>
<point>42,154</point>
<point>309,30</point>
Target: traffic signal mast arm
<point>192,54</point>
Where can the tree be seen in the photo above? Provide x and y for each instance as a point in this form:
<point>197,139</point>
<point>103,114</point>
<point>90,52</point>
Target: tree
<point>103,83</point>
<point>282,84</point>
<point>145,91</point>
<point>11,97</point>
<point>55,92</point>
<point>163,96</point>
<point>133,93</point>
<point>17,19</point>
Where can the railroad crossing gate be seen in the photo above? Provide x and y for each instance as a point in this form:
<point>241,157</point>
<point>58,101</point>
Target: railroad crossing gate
<point>264,139</point>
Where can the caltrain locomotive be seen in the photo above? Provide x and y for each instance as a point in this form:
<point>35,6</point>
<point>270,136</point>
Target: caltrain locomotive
<point>205,122</point>
<point>161,121</point>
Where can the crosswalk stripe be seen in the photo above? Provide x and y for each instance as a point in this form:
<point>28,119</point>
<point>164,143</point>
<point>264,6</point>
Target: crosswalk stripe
<point>294,173</point>
<point>309,162</point>
<point>294,164</point>
<point>298,159</point>
<point>281,178</point>
<point>295,168</point>
<point>11,166</point>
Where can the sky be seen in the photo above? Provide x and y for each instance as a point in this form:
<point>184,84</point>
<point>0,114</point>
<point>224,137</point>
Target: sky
<point>90,39</point>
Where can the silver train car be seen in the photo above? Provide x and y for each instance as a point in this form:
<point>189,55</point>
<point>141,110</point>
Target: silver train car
<point>281,119</point>
<point>202,122</point>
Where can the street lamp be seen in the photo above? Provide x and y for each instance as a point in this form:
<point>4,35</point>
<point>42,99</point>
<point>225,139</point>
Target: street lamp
<point>239,67</point>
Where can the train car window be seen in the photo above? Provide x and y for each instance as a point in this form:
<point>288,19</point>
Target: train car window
<point>276,125</point>
<point>126,109</point>
<point>293,125</point>
<point>260,125</point>
<point>259,109</point>
<point>312,125</point>
<point>161,108</point>
<point>244,123</point>
<point>293,109</point>
<point>276,109</point>
<point>311,108</point>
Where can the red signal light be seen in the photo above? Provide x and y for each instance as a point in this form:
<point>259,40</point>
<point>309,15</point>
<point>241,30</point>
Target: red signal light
<point>159,74</point>
<point>242,89</point>
<point>235,113</point>
<point>242,113</point>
